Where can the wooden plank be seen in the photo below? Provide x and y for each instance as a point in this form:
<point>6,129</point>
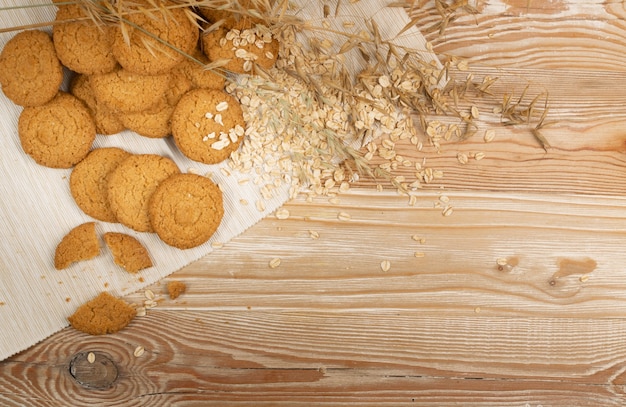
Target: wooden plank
<point>339,358</point>
<point>564,257</point>
<point>535,34</point>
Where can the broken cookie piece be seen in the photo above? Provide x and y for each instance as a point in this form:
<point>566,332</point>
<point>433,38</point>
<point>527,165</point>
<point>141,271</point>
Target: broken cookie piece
<point>175,289</point>
<point>105,314</point>
<point>81,243</point>
<point>127,251</point>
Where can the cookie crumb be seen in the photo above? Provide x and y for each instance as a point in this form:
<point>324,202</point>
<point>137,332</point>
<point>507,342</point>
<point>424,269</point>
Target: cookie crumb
<point>175,289</point>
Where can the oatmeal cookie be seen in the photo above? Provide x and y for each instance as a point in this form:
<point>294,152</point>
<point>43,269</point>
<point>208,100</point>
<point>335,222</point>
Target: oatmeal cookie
<point>141,53</point>
<point>243,48</point>
<point>132,183</point>
<point>82,46</point>
<point>126,92</point>
<point>30,72</point>
<point>186,210</point>
<point>89,180</point>
<point>152,123</point>
<point>208,125</point>
<point>58,134</point>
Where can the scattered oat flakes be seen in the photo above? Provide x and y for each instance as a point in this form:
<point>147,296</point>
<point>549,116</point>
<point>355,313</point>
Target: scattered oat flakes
<point>479,156</point>
<point>502,261</point>
<point>141,311</point>
<point>344,216</point>
<point>447,210</point>
<point>139,350</point>
<point>314,234</point>
<point>419,254</point>
<point>462,158</point>
<point>385,265</point>
<point>490,135</point>
<point>91,357</point>
<point>275,262</point>
<point>282,213</point>
<point>149,294</point>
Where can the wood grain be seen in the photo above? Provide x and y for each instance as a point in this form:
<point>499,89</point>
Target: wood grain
<point>298,358</point>
<point>518,299</point>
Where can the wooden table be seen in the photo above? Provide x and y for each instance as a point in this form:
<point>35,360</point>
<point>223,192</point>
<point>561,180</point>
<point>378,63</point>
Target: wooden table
<point>518,300</point>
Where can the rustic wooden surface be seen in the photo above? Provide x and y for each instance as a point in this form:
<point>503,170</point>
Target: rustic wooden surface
<point>453,327</point>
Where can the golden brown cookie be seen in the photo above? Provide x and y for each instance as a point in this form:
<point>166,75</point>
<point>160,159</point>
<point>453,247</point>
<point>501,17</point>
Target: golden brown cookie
<point>131,185</point>
<point>107,121</point>
<point>152,123</point>
<point>81,243</point>
<point>142,53</point>
<point>104,314</point>
<point>243,48</point>
<point>82,46</point>
<point>186,209</point>
<point>199,76</point>
<point>89,180</point>
<point>175,289</point>
<point>30,72</point>
<point>127,251</point>
<point>208,125</point>
<point>127,92</point>
<point>58,134</point>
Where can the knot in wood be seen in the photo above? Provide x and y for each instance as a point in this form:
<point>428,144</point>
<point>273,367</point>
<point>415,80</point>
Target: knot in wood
<point>98,372</point>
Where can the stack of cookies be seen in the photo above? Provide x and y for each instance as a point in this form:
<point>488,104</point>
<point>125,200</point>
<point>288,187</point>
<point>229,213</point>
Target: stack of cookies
<point>146,74</point>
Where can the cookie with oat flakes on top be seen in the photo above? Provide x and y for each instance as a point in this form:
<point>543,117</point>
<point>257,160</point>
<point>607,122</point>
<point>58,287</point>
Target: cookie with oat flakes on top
<point>208,125</point>
<point>242,47</point>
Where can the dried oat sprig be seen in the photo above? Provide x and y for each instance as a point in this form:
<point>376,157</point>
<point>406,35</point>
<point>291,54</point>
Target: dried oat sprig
<point>516,111</point>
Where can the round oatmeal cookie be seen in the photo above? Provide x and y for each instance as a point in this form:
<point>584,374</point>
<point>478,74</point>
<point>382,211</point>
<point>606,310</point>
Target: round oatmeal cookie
<point>107,122</point>
<point>152,123</point>
<point>30,72</point>
<point>186,210</point>
<point>132,183</point>
<point>242,47</point>
<point>126,92</point>
<point>208,125</point>
<point>89,180</point>
<point>58,134</point>
<point>140,52</point>
<point>82,46</point>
